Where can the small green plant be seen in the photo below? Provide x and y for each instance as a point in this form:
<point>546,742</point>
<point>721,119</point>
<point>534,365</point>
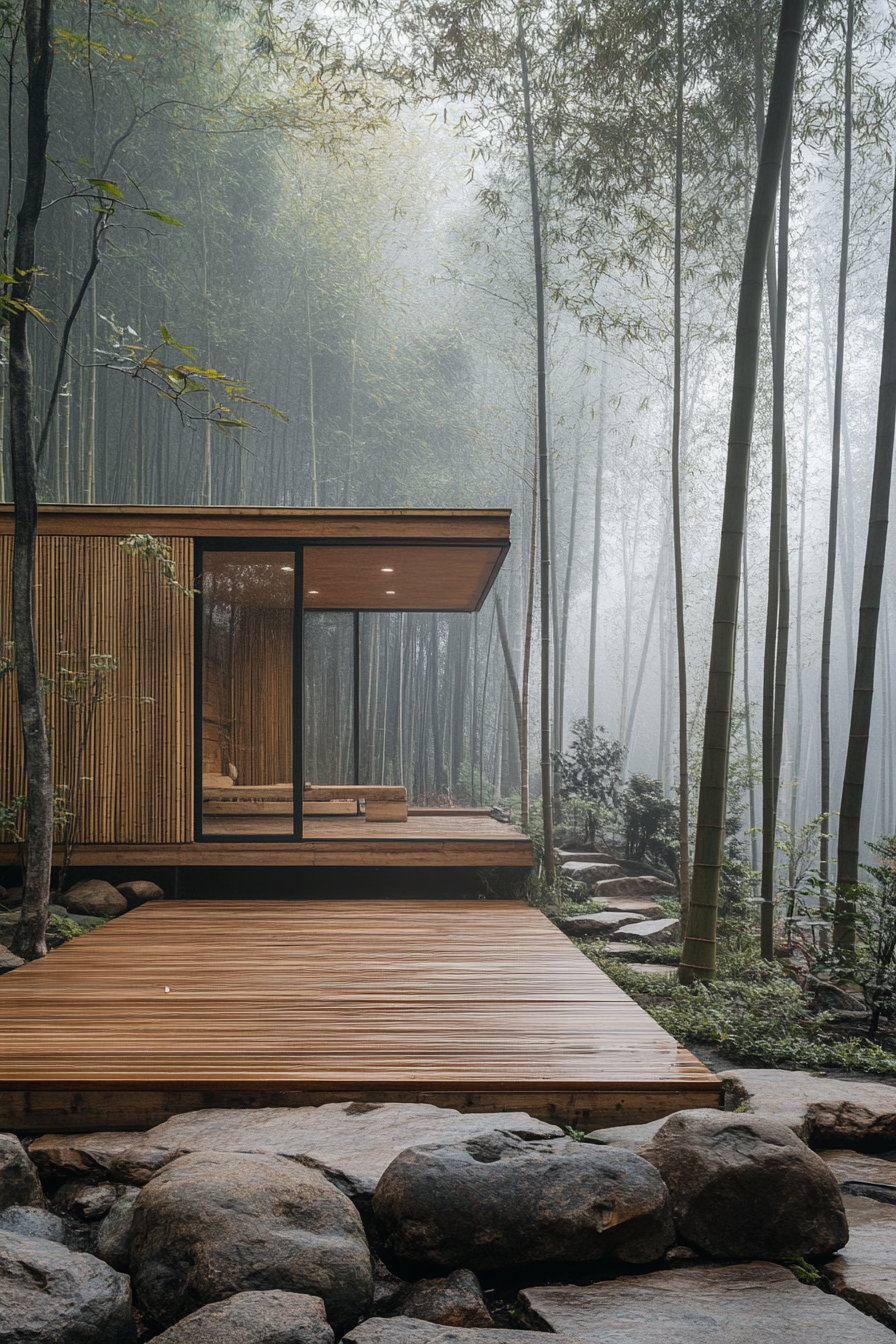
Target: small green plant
<point>68,928</point>
<point>155,551</point>
<point>804,1271</point>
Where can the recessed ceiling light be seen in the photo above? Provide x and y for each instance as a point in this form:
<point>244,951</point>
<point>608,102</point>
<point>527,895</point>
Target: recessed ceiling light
<point>287,569</point>
<point>387,571</point>
<point>313,592</point>
<point>390,592</point>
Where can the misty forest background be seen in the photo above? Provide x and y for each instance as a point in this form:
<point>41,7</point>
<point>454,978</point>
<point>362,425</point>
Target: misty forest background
<point>341,220</point>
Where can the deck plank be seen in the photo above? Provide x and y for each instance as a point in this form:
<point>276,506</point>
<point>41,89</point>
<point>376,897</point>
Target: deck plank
<point>362,996</point>
<point>436,838</point>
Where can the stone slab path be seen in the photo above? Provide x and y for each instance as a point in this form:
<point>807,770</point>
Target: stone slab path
<point>864,1272</point>
<point>739,1304</point>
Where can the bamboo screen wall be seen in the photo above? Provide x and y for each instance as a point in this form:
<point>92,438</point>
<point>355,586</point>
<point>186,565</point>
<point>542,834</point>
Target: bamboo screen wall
<point>124,755</point>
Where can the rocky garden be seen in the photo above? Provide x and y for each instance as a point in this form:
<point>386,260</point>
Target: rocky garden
<point>409,1224</point>
<point>384,1223</point>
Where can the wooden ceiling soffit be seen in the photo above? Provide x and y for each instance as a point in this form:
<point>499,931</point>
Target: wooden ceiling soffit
<point>399,578</point>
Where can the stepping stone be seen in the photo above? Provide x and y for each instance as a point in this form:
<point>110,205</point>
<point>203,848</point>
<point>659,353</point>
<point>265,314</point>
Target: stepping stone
<point>619,949</point>
<point>634,906</point>
<point>649,968</point>
<point>406,1330</point>
<point>848,1165</point>
<point>568,856</point>
<point>653,932</point>
<point>740,1304</point>
<point>595,926</point>
<point>636,1137</point>
<point>833,1112</point>
<point>864,1272</point>
<point>590,872</point>
<point>628,887</point>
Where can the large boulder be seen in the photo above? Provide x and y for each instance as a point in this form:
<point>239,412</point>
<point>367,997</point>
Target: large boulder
<point>833,1112</point>
<point>497,1200</point>
<point>50,1295</point>
<point>74,1154</point>
<point>139,892</point>
<point>19,1182</point>
<point>273,1317</point>
<point>352,1143</point>
<point>214,1224</point>
<point>632,886</point>
<point>744,1187</point>
<point>704,1304</point>
<point>94,897</point>
<point>455,1300</point>
<point>864,1273</point>
<point>603,924</point>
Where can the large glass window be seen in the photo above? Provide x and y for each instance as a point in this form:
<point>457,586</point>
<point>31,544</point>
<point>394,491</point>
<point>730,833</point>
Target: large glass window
<point>248,619</point>
<point>329,656</point>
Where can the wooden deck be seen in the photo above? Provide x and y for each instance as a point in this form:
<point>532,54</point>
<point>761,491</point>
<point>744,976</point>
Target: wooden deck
<point>430,838</point>
<point>182,1005</point>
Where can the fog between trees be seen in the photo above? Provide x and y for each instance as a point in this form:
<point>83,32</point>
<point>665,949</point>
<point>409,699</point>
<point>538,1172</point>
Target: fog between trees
<point>353,241</point>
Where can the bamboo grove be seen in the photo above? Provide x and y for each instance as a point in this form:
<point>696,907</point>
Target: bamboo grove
<point>290,255</point>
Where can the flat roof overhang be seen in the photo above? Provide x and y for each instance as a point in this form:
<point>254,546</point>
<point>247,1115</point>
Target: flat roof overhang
<point>355,559</point>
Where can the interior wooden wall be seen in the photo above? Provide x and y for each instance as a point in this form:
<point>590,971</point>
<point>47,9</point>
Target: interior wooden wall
<point>94,599</point>
<point>247,692</point>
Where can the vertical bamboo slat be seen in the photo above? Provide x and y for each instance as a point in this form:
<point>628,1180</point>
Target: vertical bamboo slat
<point>91,598</point>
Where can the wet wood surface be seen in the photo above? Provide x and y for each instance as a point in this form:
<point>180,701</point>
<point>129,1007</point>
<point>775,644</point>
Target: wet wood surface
<point>366,996</point>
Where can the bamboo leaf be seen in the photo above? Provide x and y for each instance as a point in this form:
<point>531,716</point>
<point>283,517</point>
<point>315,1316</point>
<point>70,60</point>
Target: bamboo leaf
<point>107,188</point>
<point>166,219</point>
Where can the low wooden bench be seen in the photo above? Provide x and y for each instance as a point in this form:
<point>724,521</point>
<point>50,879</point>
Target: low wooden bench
<point>382,802</point>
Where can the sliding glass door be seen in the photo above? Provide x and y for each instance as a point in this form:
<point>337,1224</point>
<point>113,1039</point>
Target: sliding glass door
<point>248,718</point>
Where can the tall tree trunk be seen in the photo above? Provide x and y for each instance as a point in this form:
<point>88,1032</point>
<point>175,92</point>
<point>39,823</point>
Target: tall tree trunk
<point>595,551</point>
<point>30,936</point>
<point>778,602</point>
<point>748,723</point>
<point>645,647</point>
<point>684,862</point>
<point>567,587</point>
<point>527,659</point>
<point>508,663</point>
<point>869,610</point>
<point>797,758</point>
<point>833,509</point>
<point>544,500</point>
<point>698,955</point>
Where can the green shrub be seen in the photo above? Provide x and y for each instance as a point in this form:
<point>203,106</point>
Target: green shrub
<point>752,1013</point>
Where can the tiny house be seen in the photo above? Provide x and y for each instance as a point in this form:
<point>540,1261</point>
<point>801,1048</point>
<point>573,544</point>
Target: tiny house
<point>179,703</point>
